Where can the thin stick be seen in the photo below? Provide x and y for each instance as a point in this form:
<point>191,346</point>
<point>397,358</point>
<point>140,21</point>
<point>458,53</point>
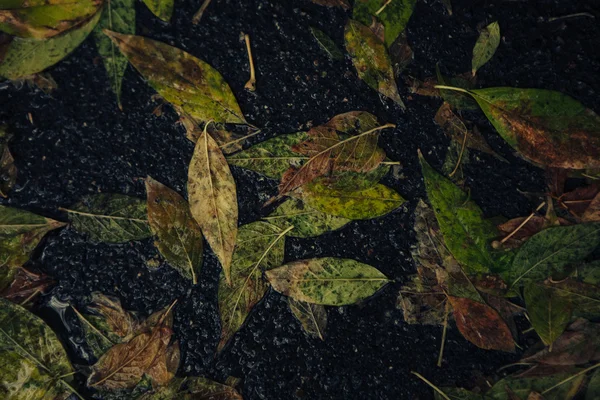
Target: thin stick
<point>571,378</point>
<point>418,375</point>
<point>383,7</point>
<point>251,84</point>
<point>462,150</point>
<point>523,223</point>
<point>27,300</point>
<point>581,14</point>
<point>441,356</point>
<point>196,18</point>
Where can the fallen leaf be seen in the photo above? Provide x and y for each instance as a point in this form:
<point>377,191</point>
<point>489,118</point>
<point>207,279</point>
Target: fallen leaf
<point>193,389</point>
<point>485,47</point>
<point>588,272</point>
<point>457,394</point>
<point>592,212</point>
<point>549,313</point>
<point>179,238</point>
<point>351,181</point>
<point>163,9</point>
<point>213,199</point>
<point>327,281</point>
<point>593,387</point>
<point>111,218</point>
<point>328,45</point>
<point>194,88</point>
<point>457,100</point>
<point>333,3</point>
<point>585,298</point>
<point>313,317</point>
<point>522,387</point>
<point>229,141</point>
<point>394,15</point>
<point>401,54</point>
<point>8,170</point>
<point>26,285</point>
<point>371,60</point>
<point>532,225</point>
<point>578,200</point>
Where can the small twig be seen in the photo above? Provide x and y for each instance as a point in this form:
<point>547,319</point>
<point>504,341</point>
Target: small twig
<point>462,150</point>
<point>383,7</point>
<point>523,223</point>
<point>27,300</point>
<point>441,356</point>
<point>251,84</point>
<point>196,18</point>
<point>581,14</point>
<point>571,378</point>
<point>421,377</point>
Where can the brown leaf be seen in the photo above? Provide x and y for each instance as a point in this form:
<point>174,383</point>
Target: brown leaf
<point>535,224</point>
<point>592,213</point>
<point>333,3</point>
<point>535,396</point>
<point>423,88</point>
<point>165,365</point>
<point>26,284</point>
<point>481,325</point>
<point>121,322</point>
<point>578,200</point>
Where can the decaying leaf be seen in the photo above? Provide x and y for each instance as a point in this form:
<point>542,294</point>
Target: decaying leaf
<point>401,54</point>
<point>548,312</point>
<point>584,297</point>
<point>394,15</point>
<point>327,281</point>
<point>34,366</point>
<point>327,44</point>
<point>42,19</point>
<point>578,200</point>
<point>8,170</point>
<point>333,3</point>
<point>593,387</point>
<point>213,199</point>
<point>313,317</point>
<point>523,386</point>
<point>26,285</point>
<point>163,9</point>
<point>371,60</point>
<point>193,87</point>
<point>29,56</point>
<point>486,46</point>
<point>193,389</point>
<point>260,247</point>
<point>229,140</point>
<point>111,218</point>
<point>522,232</point>
<point>179,238</point>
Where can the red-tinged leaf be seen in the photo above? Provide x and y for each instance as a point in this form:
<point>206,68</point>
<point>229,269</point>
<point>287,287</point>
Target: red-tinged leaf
<point>26,285</point>
<point>578,200</point>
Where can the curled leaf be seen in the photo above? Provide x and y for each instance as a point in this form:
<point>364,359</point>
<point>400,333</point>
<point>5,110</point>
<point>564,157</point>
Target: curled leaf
<point>486,46</point>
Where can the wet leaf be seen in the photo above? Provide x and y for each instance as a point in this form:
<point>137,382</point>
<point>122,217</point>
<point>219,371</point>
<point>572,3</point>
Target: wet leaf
<point>313,317</point>
<point>481,325</point>
<point>260,246</point>
<point>550,251</point>
<point>585,298</point>
<point>486,46</point>
<point>193,87</point>
<point>34,364</point>
<point>26,285</point>
<point>466,233</point>
<point>593,388</point>
<point>363,204</point>
<point>118,16</point>
<point>42,19</point>
<point>307,221</point>
<point>29,56</point>
<point>179,238</point>
<point>213,199</point>
<point>548,312</point>
<point>8,170</point>
<point>548,128</point>
<point>393,14</point>
<point>111,218</point>
<point>333,3</point>
<point>327,281</point>
<point>522,387</point>
<point>328,45</point>
<point>371,60</point>
<point>163,9</point>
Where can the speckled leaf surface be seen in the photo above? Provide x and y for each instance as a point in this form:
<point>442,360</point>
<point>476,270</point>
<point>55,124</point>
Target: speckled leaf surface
<point>163,9</point>
<point>8,169</point>
<point>466,233</point>
<point>32,357</point>
<point>111,218</point>
<point>178,236</point>
<point>312,317</point>
<point>193,87</point>
<point>29,56</point>
<point>328,45</point>
<point>371,60</point>
<point>549,313</point>
<point>260,246</point>
<point>394,16</point>
<point>485,47</point>
<point>213,199</point>
<point>523,386</point>
<point>327,281</point>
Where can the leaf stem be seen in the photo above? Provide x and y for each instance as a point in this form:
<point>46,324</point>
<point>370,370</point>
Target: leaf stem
<point>196,18</point>
<point>72,389</point>
<point>456,89</point>
<point>27,300</point>
<point>81,317</point>
<point>441,356</point>
<point>462,150</point>
<point>523,223</point>
<point>383,7</point>
<point>251,84</point>
<point>421,377</point>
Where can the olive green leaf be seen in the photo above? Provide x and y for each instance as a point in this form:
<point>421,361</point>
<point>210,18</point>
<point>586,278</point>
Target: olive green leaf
<point>34,364</point>
<point>486,46</point>
<point>327,281</point>
<point>549,313</point>
<point>213,199</point>
<point>589,272</point>
<point>593,387</point>
<point>260,246</point>
<point>548,128</point>
<point>29,56</point>
<point>42,19</point>
<point>458,100</point>
<point>272,157</point>
<point>327,44</point>
<point>371,60</point>
<point>362,204</point>
<point>466,233</point>
<point>307,221</point>
<point>111,218</point>
<point>192,388</point>
<point>313,317</point>
<point>351,181</point>
<point>118,16</point>
<point>8,170</point>
<point>179,238</point>
<point>193,87</point>
<point>523,386</point>
<point>584,298</point>
<point>393,14</point>
<point>550,251</point>
<point>163,9</point>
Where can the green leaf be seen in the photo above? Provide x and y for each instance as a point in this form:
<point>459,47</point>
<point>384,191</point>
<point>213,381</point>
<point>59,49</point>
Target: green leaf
<point>585,298</point>
<point>33,363</point>
<point>313,317</point>
<point>111,218</point>
<point>362,204</point>
<point>29,56</point>
<point>8,170</point>
<point>486,46</point>
<point>393,14</point>
<point>457,99</point>
<point>589,272</point>
<point>457,394</point>
<point>42,19</point>
<point>548,312</point>
<point>550,251</point>
<point>327,44</point>
<point>194,88</point>
<point>547,128</point>
<point>307,221</point>
<point>351,181</point>
<point>593,388</point>
<point>272,157</point>
<point>118,16</point>
<point>327,281</point>
<point>371,60</point>
<point>163,9</point>
<point>522,387</point>
<point>260,246</point>
<point>179,238</point>
<point>466,233</point>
